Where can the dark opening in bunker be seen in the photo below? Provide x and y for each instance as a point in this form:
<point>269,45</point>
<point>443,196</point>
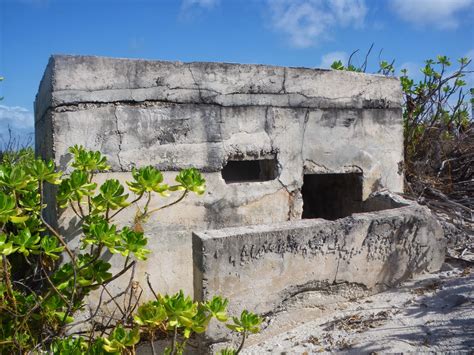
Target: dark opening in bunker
<point>249,170</point>
<point>331,196</point>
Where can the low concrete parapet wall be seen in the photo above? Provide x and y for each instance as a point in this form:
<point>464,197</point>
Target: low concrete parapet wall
<point>304,264</point>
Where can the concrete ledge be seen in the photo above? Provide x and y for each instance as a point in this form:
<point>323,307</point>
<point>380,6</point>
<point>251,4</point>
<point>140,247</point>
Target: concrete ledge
<point>311,263</point>
<point>80,79</point>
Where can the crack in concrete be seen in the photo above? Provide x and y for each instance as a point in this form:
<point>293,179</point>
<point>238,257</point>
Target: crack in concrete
<point>284,186</point>
<point>282,92</point>
<point>120,135</point>
<point>283,84</point>
<point>337,271</point>
<point>76,105</point>
<point>345,169</point>
<point>196,83</point>
<point>323,167</point>
<point>303,134</point>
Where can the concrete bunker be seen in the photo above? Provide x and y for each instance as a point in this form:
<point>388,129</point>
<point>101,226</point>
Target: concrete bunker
<point>267,140</point>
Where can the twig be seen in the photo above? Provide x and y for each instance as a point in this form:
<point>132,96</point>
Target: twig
<point>173,343</point>
<point>123,271</point>
<point>170,204</point>
<point>244,335</point>
<point>150,286</point>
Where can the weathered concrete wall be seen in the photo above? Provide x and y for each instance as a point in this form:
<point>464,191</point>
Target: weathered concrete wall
<point>174,115</point>
<point>309,264</point>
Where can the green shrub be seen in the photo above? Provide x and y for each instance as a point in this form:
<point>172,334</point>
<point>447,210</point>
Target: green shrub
<point>40,294</point>
<point>435,108</point>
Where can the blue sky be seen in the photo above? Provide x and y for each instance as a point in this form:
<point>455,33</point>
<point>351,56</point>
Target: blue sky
<point>310,33</point>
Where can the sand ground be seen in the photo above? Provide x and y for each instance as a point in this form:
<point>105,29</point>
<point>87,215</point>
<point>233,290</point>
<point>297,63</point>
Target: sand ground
<point>431,313</point>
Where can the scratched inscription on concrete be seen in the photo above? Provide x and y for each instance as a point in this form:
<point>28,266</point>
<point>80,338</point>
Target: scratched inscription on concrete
<point>293,243</point>
<point>380,238</point>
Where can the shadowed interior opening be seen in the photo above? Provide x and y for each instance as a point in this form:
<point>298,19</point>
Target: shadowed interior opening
<point>331,196</point>
<point>249,170</point>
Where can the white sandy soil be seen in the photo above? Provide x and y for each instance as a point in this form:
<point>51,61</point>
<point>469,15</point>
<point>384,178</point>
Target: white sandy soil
<point>432,313</point>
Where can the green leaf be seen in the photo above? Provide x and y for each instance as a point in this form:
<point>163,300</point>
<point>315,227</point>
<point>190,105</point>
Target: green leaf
<point>442,59</point>
<point>75,187</point>
<point>459,82</point>
<point>217,306</point>
<point>248,322</point>
<point>151,314</point>
<point>26,242</point>
<point>54,308</point>
<point>19,219</point>
<point>147,179</point>
<point>6,247</point>
<point>133,242</point>
<point>88,161</point>
<point>353,68</point>
<point>7,207</point>
<point>69,346</point>
<point>97,348</point>
<point>179,309</point>
<point>191,180</point>
<point>44,171</point>
<point>120,339</point>
<point>9,211</point>
<point>31,202</point>
<point>97,271</point>
<point>51,247</point>
<point>337,65</point>
<point>97,231</point>
<point>91,271</point>
<point>111,196</point>
<point>15,178</point>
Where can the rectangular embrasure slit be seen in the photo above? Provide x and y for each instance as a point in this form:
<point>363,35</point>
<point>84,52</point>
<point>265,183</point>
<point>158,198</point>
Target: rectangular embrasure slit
<point>236,171</point>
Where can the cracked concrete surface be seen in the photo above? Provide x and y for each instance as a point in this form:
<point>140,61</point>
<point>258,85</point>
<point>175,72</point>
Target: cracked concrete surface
<point>225,84</point>
<point>354,119</point>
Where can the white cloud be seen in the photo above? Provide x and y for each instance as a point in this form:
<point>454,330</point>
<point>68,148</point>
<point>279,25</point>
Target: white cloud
<point>442,14</point>
<point>329,58</point>
<point>413,70</point>
<point>307,22</point>
<point>19,119</point>
<point>349,11</point>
